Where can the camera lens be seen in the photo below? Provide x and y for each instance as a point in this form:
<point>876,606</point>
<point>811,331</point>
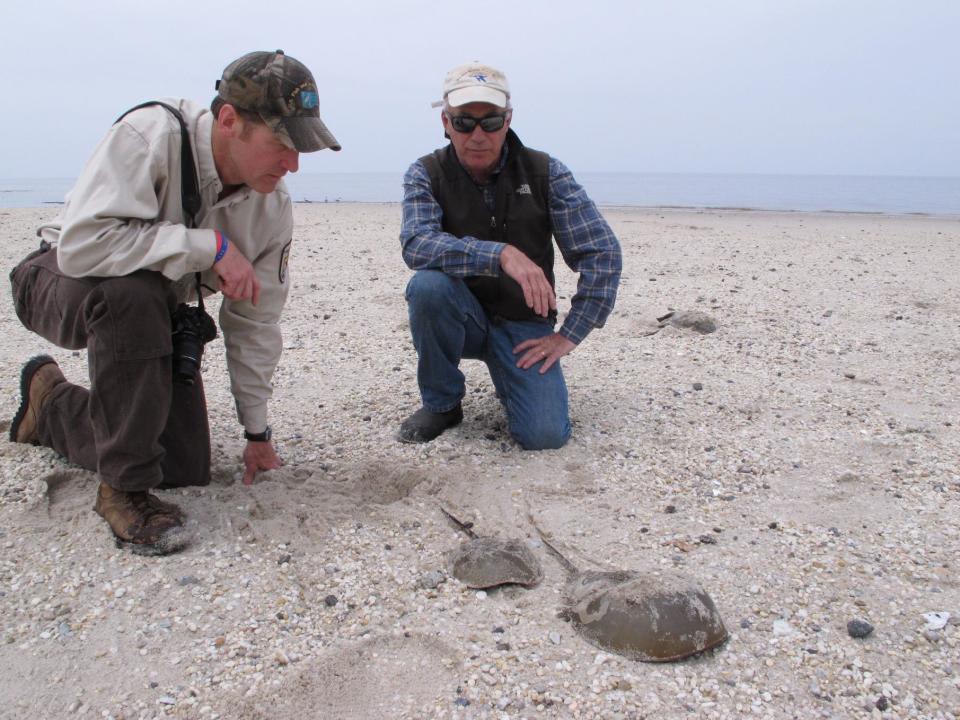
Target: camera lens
<point>192,327</point>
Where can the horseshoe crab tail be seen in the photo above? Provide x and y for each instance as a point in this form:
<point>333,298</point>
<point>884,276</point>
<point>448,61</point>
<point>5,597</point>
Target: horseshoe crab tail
<point>568,566</point>
<point>464,527</point>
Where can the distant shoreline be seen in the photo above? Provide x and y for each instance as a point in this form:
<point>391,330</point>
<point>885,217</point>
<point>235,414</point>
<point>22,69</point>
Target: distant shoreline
<point>683,208</point>
<point>611,206</point>
<point>937,197</point>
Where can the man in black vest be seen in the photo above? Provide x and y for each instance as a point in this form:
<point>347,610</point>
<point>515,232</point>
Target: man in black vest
<point>479,216</point>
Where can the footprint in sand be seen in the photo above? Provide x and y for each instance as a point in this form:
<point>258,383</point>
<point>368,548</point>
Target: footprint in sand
<point>296,503</point>
<point>376,678</point>
<point>70,495</point>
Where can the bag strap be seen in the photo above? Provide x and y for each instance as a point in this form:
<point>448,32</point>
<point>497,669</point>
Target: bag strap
<point>189,186</point>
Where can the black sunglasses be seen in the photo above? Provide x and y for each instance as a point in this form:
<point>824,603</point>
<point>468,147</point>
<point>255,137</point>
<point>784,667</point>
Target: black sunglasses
<point>466,124</point>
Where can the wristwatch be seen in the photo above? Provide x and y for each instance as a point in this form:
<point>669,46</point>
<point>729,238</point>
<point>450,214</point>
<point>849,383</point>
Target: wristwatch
<point>259,437</point>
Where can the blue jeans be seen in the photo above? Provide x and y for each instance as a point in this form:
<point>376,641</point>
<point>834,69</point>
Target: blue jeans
<point>448,324</point>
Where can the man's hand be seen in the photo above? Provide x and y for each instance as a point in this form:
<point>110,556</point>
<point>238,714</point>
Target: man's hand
<point>537,291</point>
<point>259,456</point>
<point>548,349</point>
<point>238,281</point>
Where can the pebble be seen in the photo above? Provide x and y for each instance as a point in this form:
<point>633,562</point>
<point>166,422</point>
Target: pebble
<point>330,600</point>
<point>782,627</point>
<point>431,580</point>
<point>555,638</point>
<point>859,628</point>
<point>936,620</point>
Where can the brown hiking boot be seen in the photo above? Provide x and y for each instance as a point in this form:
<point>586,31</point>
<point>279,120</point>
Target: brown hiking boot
<point>39,376</point>
<point>142,521</point>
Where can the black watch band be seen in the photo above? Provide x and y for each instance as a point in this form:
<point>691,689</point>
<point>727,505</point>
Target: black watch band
<point>259,437</point>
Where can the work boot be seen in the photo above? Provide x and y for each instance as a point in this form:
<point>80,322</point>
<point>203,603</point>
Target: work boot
<point>423,426</point>
<point>39,376</point>
<point>142,521</point>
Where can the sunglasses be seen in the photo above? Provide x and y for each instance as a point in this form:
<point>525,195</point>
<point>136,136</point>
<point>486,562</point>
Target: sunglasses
<point>466,124</point>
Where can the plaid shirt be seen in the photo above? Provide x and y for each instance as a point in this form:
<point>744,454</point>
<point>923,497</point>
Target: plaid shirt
<point>585,240</point>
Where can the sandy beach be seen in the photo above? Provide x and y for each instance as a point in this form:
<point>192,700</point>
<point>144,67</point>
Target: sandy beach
<point>802,462</point>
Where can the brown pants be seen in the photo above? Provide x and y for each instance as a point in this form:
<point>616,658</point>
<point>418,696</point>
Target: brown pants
<point>135,426</point>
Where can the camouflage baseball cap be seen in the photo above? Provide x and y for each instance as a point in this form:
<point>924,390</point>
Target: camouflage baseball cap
<point>282,91</point>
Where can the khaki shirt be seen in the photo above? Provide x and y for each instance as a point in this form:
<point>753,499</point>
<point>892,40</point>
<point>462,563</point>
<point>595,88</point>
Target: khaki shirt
<point>125,214</point>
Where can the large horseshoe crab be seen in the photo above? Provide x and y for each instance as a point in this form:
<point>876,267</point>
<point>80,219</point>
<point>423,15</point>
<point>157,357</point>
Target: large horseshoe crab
<point>655,616</point>
<point>485,562</point>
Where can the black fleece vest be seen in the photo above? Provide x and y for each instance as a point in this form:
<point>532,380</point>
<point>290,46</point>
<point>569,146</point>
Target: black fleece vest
<point>521,218</point>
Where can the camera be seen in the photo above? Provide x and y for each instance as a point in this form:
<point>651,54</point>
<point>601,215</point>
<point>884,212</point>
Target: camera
<point>192,329</point>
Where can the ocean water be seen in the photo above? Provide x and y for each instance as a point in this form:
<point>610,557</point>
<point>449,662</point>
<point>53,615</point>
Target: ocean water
<point>809,193</point>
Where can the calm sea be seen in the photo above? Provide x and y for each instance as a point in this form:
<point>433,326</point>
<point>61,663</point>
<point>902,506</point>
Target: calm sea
<point>855,193</point>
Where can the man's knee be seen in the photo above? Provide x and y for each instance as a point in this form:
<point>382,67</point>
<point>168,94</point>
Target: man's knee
<point>542,434</point>
<point>132,313</point>
<point>430,289</point>
<point>146,295</point>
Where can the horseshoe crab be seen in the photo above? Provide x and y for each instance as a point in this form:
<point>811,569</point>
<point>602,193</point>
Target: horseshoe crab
<point>646,616</point>
<point>485,562</point>
<point>686,320</point>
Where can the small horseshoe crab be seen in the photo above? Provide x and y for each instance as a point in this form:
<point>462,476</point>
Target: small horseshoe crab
<point>485,562</point>
<point>646,616</point>
<point>686,320</point>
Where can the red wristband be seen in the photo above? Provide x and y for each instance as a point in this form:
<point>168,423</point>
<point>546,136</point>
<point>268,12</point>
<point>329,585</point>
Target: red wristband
<point>222,245</point>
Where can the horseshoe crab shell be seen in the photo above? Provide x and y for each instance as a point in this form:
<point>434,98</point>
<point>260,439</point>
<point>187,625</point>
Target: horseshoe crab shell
<point>488,562</point>
<point>644,616</point>
<point>693,320</point>
<point>647,616</point>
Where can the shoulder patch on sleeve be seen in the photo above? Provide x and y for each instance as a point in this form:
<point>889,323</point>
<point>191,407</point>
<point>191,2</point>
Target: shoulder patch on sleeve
<point>284,261</point>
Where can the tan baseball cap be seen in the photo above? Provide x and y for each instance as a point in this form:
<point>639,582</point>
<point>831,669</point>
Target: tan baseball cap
<point>282,91</point>
<point>475,82</point>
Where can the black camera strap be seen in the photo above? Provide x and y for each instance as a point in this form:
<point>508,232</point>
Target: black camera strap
<point>189,186</point>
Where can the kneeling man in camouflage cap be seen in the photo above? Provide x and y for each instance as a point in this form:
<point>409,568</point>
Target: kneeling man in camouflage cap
<point>176,202</point>
<point>479,220</point>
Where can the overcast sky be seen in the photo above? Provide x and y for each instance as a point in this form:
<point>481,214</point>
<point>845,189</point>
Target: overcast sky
<point>863,87</point>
